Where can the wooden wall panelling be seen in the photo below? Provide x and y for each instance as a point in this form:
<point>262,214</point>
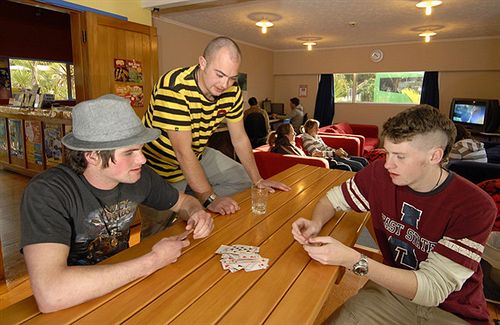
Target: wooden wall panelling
<point>108,39</point>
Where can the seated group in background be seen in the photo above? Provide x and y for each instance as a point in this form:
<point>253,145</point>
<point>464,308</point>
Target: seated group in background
<point>466,148</point>
<point>282,141</point>
<point>315,146</point>
<point>256,121</point>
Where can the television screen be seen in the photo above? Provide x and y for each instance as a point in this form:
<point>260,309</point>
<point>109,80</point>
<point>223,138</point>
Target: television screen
<point>471,113</point>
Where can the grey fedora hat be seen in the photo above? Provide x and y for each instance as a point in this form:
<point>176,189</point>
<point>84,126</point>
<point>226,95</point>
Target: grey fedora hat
<point>106,123</point>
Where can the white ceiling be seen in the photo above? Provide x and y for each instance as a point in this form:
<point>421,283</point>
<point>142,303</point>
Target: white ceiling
<point>377,21</point>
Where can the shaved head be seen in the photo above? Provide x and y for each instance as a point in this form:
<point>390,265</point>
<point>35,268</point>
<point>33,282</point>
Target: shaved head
<point>219,43</point>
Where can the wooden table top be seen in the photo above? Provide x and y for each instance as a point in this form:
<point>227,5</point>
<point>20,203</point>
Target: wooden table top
<point>196,290</point>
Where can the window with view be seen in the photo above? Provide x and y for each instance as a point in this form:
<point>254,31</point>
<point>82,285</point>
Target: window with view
<point>380,87</point>
<point>52,77</point>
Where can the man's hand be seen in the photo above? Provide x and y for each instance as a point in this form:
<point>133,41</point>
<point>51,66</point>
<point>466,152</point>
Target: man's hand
<point>224,205</point>
<point>202,224</point>
<point>271,185</point>
<point>330,251</point>
<point>167,250</point>
<point>303,230</point>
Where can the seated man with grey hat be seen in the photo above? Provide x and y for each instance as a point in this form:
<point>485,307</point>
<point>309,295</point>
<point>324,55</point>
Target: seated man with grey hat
<point>79,213</point>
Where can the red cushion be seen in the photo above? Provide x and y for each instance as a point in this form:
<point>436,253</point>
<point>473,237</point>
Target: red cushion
<point>339,131</point>
<point>492,187</point>
<point>343,128</point>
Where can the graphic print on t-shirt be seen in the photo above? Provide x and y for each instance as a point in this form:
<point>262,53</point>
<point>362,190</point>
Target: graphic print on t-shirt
<point>410,215</point>
<point>402,251</point>
<point>104,232</point>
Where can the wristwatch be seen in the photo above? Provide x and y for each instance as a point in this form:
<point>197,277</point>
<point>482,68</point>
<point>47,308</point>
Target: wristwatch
<point>209,200</point>
<point>361,266</point>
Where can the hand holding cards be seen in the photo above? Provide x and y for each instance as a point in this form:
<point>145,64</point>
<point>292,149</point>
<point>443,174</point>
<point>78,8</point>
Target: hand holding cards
<point>241,257</point>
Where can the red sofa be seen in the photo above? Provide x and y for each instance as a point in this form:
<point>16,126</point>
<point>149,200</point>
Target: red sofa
<point>270,163</point>
<point>367,133</point>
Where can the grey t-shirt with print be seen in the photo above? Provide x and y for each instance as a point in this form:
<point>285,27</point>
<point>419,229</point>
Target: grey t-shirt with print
<point>59,206</point>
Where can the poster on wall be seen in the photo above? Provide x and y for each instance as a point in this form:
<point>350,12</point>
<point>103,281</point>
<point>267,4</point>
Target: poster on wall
<point>242,81</point>
<point>121,70</point>
<point>128,71</point>
<point>134,71</point>
<point>302,90</point>
<point>134,93</point>
<point>128,81</point>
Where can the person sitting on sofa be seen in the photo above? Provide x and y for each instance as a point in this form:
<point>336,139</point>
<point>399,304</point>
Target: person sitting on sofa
<point>282,141</point>
<point>315,146</point>
<point>466,148</point>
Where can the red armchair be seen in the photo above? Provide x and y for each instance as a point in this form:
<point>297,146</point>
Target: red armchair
<point>270,163</point>
<point>367,133</point>
<point>350,144</point>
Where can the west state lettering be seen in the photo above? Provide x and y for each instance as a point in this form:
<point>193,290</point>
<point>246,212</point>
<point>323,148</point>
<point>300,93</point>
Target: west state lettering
<point>392,226</point>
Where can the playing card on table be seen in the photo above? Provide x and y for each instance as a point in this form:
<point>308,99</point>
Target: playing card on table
<point>241,257</point>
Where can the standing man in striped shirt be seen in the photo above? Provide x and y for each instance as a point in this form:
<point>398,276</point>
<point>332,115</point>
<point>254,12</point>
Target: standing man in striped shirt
<point>187,105</point>
<point>431,226</point>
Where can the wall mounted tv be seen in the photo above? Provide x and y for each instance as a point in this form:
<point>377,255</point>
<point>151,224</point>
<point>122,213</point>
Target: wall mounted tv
<point>477,115</point>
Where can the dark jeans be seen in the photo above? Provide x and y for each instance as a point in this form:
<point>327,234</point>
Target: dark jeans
<point>353,163</point>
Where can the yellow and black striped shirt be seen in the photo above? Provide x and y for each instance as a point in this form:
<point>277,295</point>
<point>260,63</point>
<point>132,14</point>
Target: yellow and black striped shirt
<point>178,104</point>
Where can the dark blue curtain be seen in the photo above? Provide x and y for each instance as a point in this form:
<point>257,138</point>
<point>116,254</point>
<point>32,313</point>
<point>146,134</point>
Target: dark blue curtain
<point>430,89</point>
<point>325,104</point>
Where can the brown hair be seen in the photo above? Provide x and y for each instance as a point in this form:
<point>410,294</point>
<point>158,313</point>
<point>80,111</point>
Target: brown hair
<point>420,120</point>
<point>310,123</point>
<point>78,163</point>
<point>282,132</point>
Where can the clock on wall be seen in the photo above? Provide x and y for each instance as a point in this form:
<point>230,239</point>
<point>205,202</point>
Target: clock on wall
<point>376,55</point>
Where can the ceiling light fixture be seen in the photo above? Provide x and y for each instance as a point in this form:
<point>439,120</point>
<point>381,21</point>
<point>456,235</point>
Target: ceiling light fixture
<point>309,45</point>
<point>428,4</point>
<point>309,41</point>
<point>427,34</point>
<point>264,25</point>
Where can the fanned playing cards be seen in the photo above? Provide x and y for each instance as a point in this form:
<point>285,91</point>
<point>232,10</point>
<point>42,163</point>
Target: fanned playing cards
<point>241,257</point>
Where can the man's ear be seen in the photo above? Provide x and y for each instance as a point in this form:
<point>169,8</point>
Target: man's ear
<point>437,155</point>
<point>202,62</point>
<point>93,158</point>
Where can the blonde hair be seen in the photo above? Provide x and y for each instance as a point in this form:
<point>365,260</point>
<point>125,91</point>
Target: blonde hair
<point>310,123</point>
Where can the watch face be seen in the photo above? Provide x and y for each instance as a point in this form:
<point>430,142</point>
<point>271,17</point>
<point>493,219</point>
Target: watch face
<point>361,266</point>
<point>360,269</point>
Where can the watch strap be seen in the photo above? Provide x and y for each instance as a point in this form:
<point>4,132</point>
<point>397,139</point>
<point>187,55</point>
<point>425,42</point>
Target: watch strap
<point>209,200</point>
